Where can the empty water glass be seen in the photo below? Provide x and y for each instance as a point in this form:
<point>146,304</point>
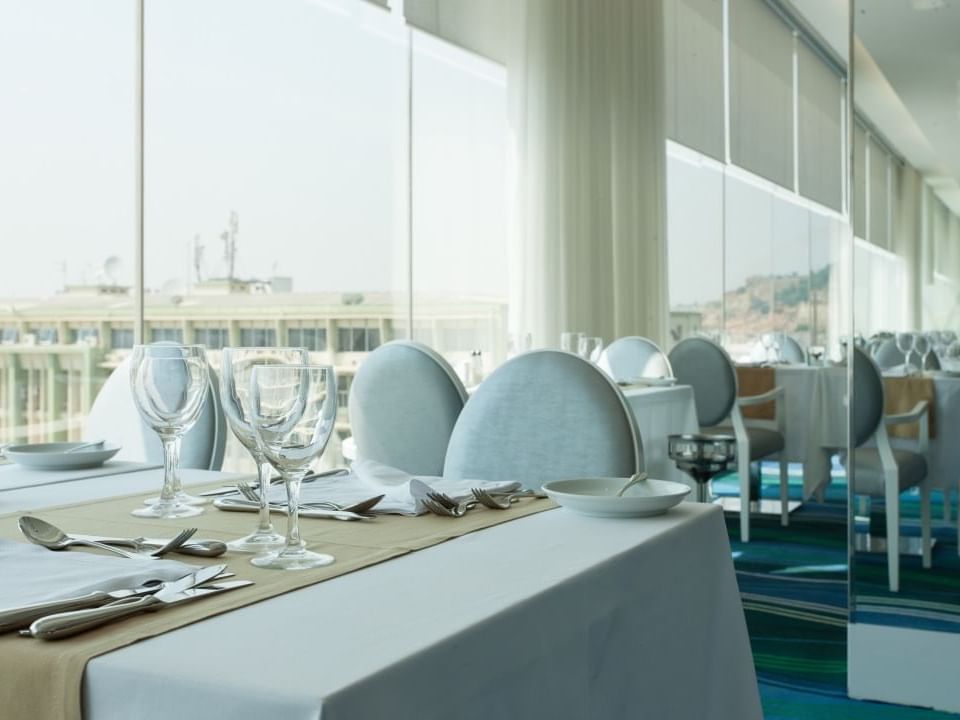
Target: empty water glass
<point>293,410</point>
<point>570,341</point>
<point>236,369</point>
<point>170,384</point>
<point>590,347</point>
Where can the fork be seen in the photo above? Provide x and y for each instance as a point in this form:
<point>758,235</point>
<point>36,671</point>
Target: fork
<point>438,508</point>
<point>176,541</point>
<point>487,498</point>
<point>250,494</point>
<point>445,501</point>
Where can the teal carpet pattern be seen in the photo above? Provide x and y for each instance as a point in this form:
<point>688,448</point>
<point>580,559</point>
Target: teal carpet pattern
<point>793,582</point>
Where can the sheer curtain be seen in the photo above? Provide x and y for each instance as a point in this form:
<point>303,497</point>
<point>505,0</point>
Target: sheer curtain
<point>587,107</point>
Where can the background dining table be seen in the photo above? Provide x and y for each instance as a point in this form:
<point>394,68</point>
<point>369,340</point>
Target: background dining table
<point>552,615</point>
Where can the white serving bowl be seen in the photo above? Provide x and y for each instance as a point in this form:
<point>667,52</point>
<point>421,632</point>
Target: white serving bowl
<point>598,496</point>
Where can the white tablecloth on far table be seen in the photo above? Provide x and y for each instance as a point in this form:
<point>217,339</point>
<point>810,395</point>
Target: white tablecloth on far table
<point>552,616</point>
<point>661,412</point>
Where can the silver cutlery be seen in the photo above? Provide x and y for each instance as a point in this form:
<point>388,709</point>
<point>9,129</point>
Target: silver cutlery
<point>503,501</point>
<point>310,477</point>
<point>84,446</point>
<point>50,536</point>
<point>360,507</point>
<point>243,505</point>
<point>22,616</point>
<point>65,624</point>
<point>456,511</point>
<point>452,503</point>
<point>198,548</point>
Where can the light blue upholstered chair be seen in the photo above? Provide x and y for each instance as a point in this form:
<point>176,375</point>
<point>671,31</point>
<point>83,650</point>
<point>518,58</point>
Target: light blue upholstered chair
<point>881,471</point>
<point>114,417</point>
<point>545,415</point>
<point>632,357</point>
<point>403,404</point>
<point>705,366</point>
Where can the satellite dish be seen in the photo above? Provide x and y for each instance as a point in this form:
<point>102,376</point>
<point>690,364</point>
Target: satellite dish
<point>111,269</point>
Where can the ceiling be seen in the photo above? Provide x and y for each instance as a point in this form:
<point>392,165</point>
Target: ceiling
<point>915,45</point>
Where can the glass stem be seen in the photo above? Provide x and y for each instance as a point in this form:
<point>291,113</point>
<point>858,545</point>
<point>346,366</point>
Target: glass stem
<point>171,470</point>
<point>265,470</point>
<point>294,544</point>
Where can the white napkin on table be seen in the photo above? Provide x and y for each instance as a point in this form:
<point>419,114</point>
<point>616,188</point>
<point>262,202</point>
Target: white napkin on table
<point>368,478</point>
<point>31,573</point>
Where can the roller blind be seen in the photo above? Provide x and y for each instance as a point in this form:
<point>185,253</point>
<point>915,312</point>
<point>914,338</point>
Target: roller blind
<point>820,133</point>
<point>940,223</point>
<point>878,186</point>
<point>481,27</point>
<point>761,91</point>
<point>859,181</point>
<point>693,47</point>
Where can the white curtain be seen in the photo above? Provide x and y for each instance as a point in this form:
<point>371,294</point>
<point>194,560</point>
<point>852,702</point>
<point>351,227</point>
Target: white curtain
<point>587,106</point>
<point>907,236</point>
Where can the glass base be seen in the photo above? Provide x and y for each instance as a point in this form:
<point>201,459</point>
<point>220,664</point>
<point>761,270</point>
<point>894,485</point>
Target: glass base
<point>301,560</point>
<point>257,542</point>
<point>167,511</point>
<point>182,498</point>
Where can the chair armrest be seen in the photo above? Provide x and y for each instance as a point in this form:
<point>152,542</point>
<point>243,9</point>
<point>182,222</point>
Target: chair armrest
<point>769,396</point>
<point>919,410</point>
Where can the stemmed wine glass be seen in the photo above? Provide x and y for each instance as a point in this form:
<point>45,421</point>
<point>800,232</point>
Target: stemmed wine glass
<point>293,409</point>
<point>767,340</point>
<point>589,347</point>
<point>236,368</point>
<point>169,388</point>
<point>905,346</point>
<point>922,346</point>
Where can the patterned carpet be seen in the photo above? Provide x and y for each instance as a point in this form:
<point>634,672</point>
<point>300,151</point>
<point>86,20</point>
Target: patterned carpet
<point>794,587</point>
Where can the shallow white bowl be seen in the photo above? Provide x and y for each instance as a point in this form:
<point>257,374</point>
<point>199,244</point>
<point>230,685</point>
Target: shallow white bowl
<point>598,496</point>
<point>54,456</point>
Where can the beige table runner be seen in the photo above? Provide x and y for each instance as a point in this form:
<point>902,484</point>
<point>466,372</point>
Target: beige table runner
<point>42,680</point>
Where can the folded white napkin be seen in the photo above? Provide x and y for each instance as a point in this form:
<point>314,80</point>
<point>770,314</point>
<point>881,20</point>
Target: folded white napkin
<point>368,478</point>
<point>34,574</point>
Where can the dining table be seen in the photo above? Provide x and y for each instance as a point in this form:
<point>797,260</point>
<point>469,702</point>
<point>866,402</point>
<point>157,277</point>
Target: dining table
<point>659,413</point>
<point>552,614</point>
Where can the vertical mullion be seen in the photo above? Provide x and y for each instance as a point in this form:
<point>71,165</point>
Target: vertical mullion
<point>138,322</point>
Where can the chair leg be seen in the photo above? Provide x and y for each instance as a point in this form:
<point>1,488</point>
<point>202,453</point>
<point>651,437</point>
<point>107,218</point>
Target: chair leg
<point>925,522</point>
<point>784,493</point>
<point>893,536</point>
<point>743,467</point>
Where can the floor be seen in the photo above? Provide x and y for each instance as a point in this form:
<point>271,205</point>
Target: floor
<point>794,587</point>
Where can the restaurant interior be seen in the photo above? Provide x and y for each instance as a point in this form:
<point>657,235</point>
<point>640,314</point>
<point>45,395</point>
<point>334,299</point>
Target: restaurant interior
<point>602,355</point>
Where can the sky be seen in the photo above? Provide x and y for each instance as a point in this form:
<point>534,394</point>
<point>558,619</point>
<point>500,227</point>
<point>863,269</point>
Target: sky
<point>293,113</point>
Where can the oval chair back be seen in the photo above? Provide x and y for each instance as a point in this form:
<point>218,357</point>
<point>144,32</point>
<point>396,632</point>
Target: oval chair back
<point>545,415</point>
<point>867,397</point>
<point>704,365</point>
<point>404,402</point>
<point>792,351</point>
<point>632,357</point>
<point>115,418</point>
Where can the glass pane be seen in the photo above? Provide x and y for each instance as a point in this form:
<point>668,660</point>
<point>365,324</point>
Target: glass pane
<point>276,160</point>
<point>460,190</point>
<point>66,181</point>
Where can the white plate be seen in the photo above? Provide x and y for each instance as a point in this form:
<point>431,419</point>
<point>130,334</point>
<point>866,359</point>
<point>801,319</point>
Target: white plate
<point>598,496</point>
<point>54,456</point>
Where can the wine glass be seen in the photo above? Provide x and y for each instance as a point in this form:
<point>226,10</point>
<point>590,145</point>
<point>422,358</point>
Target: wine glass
<point>589,347</point>
<point>293,409</point>
<point>767,341</point>
<point>596,349</point>
<point>904,343</point>
<point>922,346</point>
<point>169,388</point>
<point>236,368</point>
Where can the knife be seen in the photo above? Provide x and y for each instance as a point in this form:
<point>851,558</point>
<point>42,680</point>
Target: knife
<point>65,624</point>
<point>236,504</point>
<point>309,477</point>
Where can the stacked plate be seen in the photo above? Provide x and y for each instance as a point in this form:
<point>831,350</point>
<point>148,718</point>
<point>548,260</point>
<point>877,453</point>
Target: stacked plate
<point>598,496</point>
<point>60,455</point>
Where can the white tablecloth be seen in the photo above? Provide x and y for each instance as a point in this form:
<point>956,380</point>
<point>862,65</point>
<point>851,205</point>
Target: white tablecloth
<point>552,616</point>
<point>661,412</point>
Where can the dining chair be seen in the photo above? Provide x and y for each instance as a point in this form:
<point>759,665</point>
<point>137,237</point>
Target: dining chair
<point>879,470</point>
<point>404,401</point>
<point>634,357</point>
<point>704,365</point>
<point>545,415</point>
<point>114,417</point>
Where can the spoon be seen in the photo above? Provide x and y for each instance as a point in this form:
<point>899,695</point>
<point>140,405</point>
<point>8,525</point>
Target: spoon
<point>84,446</point>
<point>50,536</point>
<point>637,478</point>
